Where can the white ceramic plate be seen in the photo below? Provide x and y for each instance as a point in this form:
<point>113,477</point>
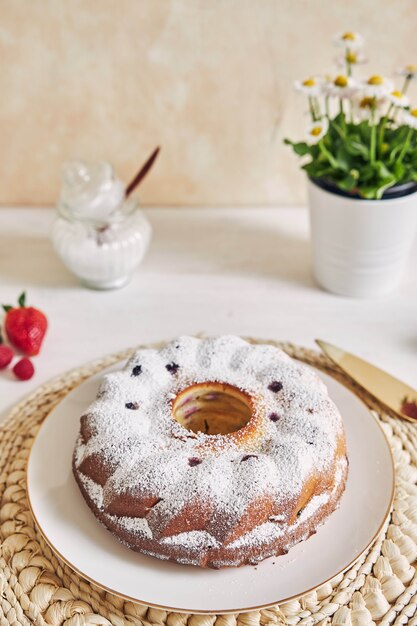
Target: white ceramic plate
<point>77,537</point>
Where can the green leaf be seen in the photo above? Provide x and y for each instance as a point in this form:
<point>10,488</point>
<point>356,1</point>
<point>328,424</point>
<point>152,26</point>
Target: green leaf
<point>365,131</point>
<point>369,193</point>
<point>398,170</point>
<point>7,308</point>
<point>318,170</point>
<point>385,184</point>
<point>22,299</point>
<point>348,183</point>
<point>335,132</point>
<point>366,173</point>
<point>343,158</point>
<point>382,170</point>
<point>355,147</point>
<point>328,155</point>
<point>301,148</point>
<point>395,153</point>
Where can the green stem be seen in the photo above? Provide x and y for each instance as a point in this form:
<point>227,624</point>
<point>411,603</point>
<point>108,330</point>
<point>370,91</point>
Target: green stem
<point>348,65</point>
<point>372,147</point>
<point>382,128</point>
<point>389,110</point>
<point>311,107</point>
<point>316,107</point>
<point>326,107</point>
<point>406,145</point>
<point>381,135</point>
<point>325,152</point>
<point>339,130</point>
<point>342,116</point>
<point>406,84</point>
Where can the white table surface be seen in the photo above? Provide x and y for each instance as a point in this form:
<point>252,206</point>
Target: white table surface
<point>239,271</point>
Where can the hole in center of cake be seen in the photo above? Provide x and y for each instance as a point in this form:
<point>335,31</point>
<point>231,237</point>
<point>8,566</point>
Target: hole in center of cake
<point>212,408</point>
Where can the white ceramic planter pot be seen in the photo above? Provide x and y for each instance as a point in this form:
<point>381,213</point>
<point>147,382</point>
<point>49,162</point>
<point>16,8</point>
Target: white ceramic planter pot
<point>360,247</point>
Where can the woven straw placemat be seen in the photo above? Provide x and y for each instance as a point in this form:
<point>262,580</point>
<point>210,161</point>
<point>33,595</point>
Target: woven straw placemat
<point>36,587</point>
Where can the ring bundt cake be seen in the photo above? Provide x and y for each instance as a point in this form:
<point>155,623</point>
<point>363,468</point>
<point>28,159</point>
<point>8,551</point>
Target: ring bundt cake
<point>212,452</point>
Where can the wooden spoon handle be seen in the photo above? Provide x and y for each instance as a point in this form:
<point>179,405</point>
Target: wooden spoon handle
<point>142,172</point>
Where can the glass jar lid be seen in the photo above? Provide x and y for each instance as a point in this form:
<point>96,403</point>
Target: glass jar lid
<point>91,192</point>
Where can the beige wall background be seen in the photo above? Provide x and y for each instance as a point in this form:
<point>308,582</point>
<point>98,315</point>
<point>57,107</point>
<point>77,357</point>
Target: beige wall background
<point>208,80</point>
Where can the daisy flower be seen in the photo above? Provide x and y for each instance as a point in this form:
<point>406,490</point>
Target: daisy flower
<point>311,86</point>
<point>317,130</point>
<point>377,86</point>
<point>349,40</point>
<point>341,87</point>
<point>368,108</point>
<point>409,71</point>
<point>410,118</point>
<point>352,57</point>
<point>398,99</point>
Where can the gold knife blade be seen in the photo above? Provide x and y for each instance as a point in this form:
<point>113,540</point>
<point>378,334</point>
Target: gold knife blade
<point>393,393</point>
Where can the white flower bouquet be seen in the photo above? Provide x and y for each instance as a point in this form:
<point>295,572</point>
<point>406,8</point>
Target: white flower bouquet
<point>362,137</point>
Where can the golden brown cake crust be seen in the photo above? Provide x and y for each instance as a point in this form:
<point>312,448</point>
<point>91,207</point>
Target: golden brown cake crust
<point>165,487</point>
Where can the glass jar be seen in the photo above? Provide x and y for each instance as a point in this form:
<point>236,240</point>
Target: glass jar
<point>102,254</point>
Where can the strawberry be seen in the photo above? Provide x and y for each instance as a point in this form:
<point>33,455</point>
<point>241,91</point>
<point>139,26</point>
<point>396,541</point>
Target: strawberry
<point>25,327</point>
<point>409,408</point>
<point>23,370</point>
<point>6,356</point>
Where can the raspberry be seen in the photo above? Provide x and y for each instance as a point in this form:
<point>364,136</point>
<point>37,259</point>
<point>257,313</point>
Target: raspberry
<point>193,461</point>
<point>23,370</point>
<point>275,386</point>
<point>274,417</point>
<point>132,405</point>
<point>248,456</point>
<point>6,355</point>
<point>409,408</point>
<point>172,368</point>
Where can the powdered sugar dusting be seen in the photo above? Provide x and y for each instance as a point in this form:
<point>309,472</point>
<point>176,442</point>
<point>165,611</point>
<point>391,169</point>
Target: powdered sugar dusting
<point>312,507</point>
<point>263,533</point>
<point>136,525</point>
<point>94,491</point>
<point>195,539</point>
